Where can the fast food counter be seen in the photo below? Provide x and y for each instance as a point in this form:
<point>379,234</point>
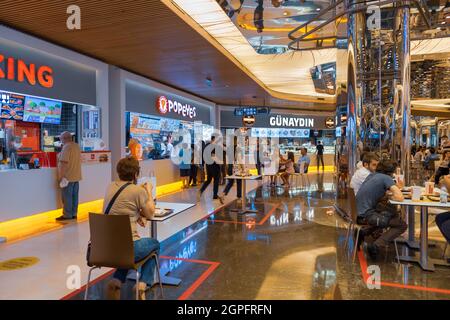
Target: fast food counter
<point>28,192</point>
<point>164,170</point>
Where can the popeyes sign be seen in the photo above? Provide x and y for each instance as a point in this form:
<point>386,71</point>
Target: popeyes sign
<point>165,106</point>
<point>18,70</point>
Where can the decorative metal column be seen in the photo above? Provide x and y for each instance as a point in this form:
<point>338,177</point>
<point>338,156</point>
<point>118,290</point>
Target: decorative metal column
<point>378,87</point>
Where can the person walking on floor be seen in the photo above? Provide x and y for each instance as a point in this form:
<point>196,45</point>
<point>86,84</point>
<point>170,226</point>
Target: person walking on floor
<point>185,164</point>
<point>230,172</point>
<point>212,170</point>
<point>194,169</point>
<point>69,176</point>
<point>319,152</point>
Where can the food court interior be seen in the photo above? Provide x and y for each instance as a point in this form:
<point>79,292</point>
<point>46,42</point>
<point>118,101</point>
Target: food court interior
<point>338,112</point>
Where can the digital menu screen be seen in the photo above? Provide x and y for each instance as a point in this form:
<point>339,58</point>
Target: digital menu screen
<point>42,110</point>
<point>280,133</point>
<point>11,106</point>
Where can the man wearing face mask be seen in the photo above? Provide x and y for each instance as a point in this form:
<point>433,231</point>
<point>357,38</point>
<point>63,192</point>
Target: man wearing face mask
<point>69,176</point>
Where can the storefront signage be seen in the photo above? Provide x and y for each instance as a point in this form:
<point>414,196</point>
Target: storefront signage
<point>288,121</point>
<point>18,70</point>
<point>248,121</point>
<point>329,123</point>
<point>165,106</point>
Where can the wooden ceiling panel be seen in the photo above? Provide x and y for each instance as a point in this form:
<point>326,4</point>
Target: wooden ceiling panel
<point>143,37</point>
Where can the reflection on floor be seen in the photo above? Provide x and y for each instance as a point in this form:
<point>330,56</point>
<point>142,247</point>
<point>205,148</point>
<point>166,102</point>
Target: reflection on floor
<point>291,249</point>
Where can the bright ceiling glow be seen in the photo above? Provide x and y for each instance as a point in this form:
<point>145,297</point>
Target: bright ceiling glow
<point>284,76</point>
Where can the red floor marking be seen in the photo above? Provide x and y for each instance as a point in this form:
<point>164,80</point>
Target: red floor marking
<point>186,294</point>
<point>269,214</point>
<point>91,283</point>
<point>189,291</point>
<point>363,264</point>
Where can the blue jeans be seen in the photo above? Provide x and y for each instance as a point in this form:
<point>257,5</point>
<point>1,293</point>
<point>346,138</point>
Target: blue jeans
<point>443,223</point>
<point>70,200</point>
<point>142,248</point>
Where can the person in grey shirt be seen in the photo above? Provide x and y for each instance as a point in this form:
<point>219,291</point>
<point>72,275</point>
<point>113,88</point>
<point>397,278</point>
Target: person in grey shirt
<point>374,210</point>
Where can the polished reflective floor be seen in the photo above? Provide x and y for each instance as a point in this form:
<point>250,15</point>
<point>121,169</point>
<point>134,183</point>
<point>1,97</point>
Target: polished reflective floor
<point>293,248</point>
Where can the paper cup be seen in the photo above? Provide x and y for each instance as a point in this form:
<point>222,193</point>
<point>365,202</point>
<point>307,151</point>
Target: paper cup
<point>429,187</point>
<point>400,178</point>
<point>416,192</point>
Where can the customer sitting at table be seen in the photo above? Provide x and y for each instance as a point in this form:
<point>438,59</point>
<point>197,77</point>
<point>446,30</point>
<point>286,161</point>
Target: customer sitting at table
<point>369,165</point>
<point>373,207</point>
<point>432,156</point>
<point>137,203</point>
<point>289,165</point>
<point>304,160</point>
<point>443,168</point>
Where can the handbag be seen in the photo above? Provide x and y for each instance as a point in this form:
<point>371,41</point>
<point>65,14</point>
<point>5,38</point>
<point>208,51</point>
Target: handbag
<point>108,208</point>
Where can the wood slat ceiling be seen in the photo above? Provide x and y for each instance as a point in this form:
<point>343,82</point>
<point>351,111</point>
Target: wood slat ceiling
<point>146,38</point>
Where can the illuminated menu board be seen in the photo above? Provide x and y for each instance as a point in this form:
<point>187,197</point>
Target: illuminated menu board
<point>11,106</point>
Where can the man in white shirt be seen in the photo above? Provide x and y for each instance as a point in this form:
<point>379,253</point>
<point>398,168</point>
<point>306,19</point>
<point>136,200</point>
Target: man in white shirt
<point>370,163</point>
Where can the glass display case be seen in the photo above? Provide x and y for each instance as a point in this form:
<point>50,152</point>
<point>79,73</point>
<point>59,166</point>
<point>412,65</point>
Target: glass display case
<point>155,134</point>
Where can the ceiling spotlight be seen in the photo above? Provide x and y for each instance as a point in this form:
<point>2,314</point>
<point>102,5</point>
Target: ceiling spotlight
<point>285,13</point>
<point>318,9</point>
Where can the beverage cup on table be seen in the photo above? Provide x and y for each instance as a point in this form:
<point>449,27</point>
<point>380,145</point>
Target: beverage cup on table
<point>400,179</point>
<point>429,188</point>
<point>415,193</point>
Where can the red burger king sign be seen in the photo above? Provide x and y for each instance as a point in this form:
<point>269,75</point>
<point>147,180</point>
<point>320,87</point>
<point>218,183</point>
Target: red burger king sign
<point>164,106</point>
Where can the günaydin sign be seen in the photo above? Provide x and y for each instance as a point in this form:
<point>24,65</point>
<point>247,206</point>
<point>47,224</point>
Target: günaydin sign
<point>18,70</point>
<point>289,121</point>
<point>164,106</point>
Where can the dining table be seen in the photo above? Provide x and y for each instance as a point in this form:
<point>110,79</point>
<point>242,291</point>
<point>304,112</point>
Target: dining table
<point>426,202</point>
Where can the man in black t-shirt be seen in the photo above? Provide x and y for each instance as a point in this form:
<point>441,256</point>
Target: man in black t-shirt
<point>319,152</point>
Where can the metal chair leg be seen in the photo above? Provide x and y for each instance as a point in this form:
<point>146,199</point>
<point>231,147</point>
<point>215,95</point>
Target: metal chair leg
<point>159,276</point>
<point>348,235</point>
<point>356,244</point>
<point>396,251</point>
<point>137,285</point>
<point>87,284</point>
<point>445,250</point>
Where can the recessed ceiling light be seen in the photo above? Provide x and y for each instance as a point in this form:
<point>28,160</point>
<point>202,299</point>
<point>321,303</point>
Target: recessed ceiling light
<point>318,9</point>
<point>443,22</point>
<point>285,13</point>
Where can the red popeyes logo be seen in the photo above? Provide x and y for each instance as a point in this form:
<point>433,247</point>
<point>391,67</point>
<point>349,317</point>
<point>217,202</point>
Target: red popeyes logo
<point>18,70</point>
<point>162,105</point>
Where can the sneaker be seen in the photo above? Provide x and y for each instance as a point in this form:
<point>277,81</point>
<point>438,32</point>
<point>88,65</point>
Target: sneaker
<point>142,290</point>
<point>113,290</point>
<point>221,199</point>
<point>62,218</point>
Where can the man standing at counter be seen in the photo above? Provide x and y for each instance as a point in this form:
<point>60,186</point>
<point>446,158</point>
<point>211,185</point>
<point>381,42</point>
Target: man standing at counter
<point>69,175</point>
